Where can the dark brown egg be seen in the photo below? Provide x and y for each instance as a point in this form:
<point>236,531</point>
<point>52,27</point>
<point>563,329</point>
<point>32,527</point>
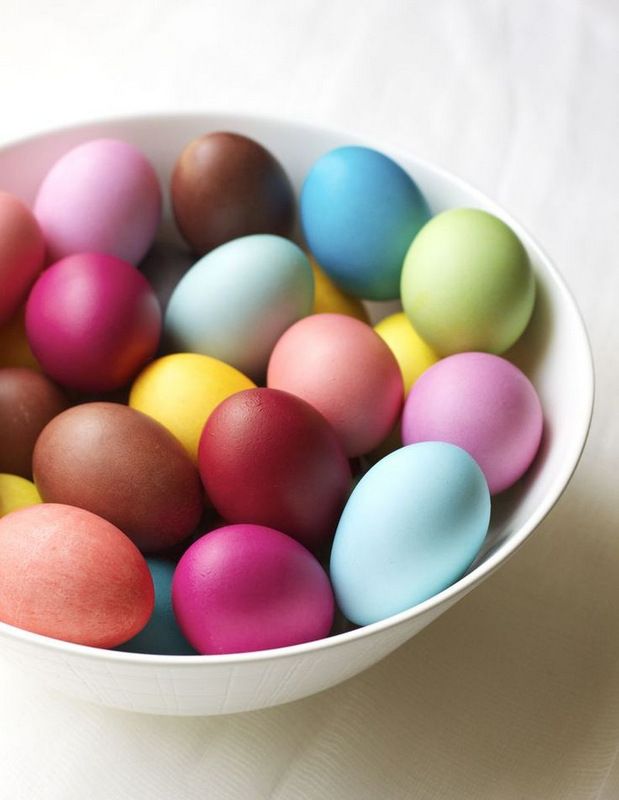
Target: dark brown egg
<point>224,186</point>
<point>28,401</point>
<point>124,466</point>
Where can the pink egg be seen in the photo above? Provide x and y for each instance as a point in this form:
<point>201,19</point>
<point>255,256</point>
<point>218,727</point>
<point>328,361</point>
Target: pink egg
<point>102,196</point>
<point>248,587</point>
<point>92,322</point>
<point>483,404</point>
<point>21,253</point>
<point>345,370</point>
<point>68,574</point>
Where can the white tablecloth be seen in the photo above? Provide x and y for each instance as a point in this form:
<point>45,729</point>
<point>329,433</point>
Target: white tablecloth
<point>514,693</point>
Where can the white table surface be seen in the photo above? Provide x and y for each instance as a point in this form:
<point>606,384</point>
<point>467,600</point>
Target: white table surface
<point>514,693</point>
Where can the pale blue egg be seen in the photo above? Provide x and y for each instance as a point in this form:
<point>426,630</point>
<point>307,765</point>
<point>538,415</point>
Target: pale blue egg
<point>237,300</point>
<point>411,527</point>
<point>161,636</point>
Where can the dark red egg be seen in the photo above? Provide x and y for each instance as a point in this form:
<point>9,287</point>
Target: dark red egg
<point>267,457</point>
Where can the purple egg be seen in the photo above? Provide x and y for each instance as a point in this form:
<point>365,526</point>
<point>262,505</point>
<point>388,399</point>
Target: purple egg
<point>102,196</point>
<point>483,404</point>
<point>92,322</point>
<point>243,588</point>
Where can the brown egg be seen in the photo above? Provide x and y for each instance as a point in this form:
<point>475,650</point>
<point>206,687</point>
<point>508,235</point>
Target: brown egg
<point>224,186</point>
<point>28,401</point>
<point>124,466</point>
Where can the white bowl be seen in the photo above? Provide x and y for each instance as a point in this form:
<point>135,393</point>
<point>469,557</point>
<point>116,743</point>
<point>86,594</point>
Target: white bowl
<point>554,352</point>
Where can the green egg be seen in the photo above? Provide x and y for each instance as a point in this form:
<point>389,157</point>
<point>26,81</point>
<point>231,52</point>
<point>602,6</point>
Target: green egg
<point>467,283</point>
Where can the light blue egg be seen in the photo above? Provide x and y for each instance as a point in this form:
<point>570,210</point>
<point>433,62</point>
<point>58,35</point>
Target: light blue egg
<point>161,636</point>
<point>237,300</point>
<point>411,527</point>
<point>360,211</point>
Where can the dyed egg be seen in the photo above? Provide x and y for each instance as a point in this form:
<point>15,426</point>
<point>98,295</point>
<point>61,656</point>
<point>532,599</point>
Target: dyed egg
<point>102,196</point>
<point>225,186</point>
<point>413,355</point>
<point>28,401</point>
<point>22,250</point>
<point>360,211</point>
<point>161,636</point>
<point>71,575</point>
<point>180,391</point>
<point>14,348</point>
<point>467,283</point>
<point>411,527</point>
<point>483,404</point>
<point>330,299</point>
<point>92,322</point>
<point>270,457</point>
<point>123,466</point>
<point>236,302</point>
<point>16,492</point>
<point>247,587</point>
<point>344,369</point>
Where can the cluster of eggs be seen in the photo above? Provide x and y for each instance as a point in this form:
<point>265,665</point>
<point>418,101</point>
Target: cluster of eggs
<point>223,451</point>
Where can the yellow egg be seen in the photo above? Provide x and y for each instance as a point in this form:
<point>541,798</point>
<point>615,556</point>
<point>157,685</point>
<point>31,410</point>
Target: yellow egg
<point>16,492</point>
<point>181,390</point>
<point>411,352</point>
<point>329,298</point>
<point>14,348</point>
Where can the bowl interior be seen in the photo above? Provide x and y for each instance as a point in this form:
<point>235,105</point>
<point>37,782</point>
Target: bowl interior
<point>554,351</point>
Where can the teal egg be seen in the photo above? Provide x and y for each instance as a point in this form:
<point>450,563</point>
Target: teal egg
<point>236,302</point>
<point>161,636</point>
<point>411,527</point>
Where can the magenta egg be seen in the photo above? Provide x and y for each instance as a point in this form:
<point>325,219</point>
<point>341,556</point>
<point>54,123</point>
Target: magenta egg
<point>483,404</point>
<point>243,588</point>
<point>103,196</point>
<point>92,322</point>
<point>345,370</point>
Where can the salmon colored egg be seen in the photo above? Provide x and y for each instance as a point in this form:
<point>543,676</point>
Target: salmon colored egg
<point>68,574</point>
<point>345,370</point>
<point>22,251</point>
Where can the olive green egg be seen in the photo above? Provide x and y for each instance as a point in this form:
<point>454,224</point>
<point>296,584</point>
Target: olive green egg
<point>467,283</point>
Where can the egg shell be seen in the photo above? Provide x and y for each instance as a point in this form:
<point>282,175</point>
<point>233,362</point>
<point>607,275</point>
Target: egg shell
<point>124,466</point>
<point>243,588</point>
<point>236,302</point>
<point>269,457</point>
<point>360,211</point>
<point>16,492</point>
<point>161,636</point>
<point>411,527</point>
<point>92,321</point>
<point>344,369</point>
<point>102,196</point>
<point>481,403</point>
<point>22,251</point>
<point>71,575</point>
<point>28,401</point>
<point>467,283</point>
<point>14,348</point>
<point>163,268</point>
<point>330,299</point>
<point>181,391</point>
<point>225,186</point>
<point>413,355</point>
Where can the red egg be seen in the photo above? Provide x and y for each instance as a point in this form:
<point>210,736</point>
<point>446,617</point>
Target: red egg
<point>68,574</point>
<point>21,253</point>
<point>92,321</point>
<point>345,370</point>
<point>269,458</point>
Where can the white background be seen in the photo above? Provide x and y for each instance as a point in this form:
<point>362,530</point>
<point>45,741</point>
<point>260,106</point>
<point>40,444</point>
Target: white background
<point>514,693</point>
